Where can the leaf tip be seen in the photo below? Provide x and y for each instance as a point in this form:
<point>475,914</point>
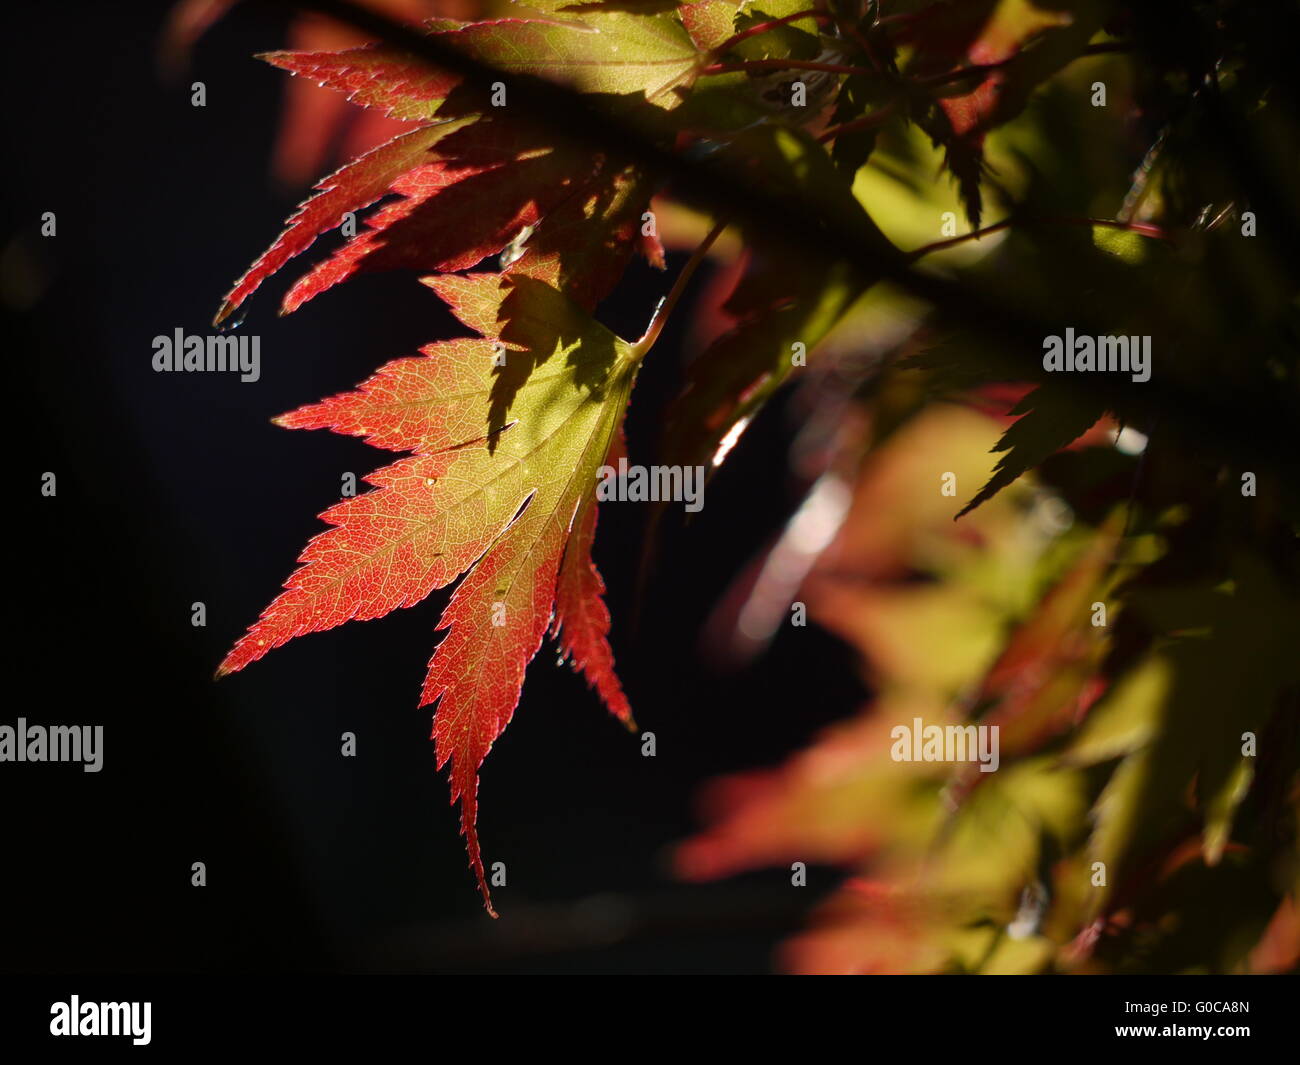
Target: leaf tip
<point>477,866</point>
<point>229,665</point>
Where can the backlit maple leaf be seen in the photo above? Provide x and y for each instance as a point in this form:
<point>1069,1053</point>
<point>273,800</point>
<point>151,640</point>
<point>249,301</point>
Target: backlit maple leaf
<point>506,431</point>
<point>496,498</point>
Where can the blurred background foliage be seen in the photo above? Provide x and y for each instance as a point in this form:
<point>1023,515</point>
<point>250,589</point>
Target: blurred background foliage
<point>1122,743</point>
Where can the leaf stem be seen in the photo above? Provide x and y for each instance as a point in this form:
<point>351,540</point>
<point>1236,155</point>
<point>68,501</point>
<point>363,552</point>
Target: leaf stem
<point>764,27</point>
<point>755,65</point>
<point>1143,228</point>
<point>864,122</point>
<point>666,305</point>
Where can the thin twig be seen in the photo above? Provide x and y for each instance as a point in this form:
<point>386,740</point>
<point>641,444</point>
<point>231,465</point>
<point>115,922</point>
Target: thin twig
<point>1143,228</point>
<point>750,66</point>
<point>666,305</point>
<point>864,122</point>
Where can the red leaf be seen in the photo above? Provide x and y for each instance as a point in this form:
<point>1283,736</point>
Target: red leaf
<point>350,188</point>
<point>501,489</point>
<point>373,76</point>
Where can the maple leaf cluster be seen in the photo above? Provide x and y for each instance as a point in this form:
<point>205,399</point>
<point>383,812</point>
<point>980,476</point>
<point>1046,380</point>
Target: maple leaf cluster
<point>506,431</point>
<point>522,227</point>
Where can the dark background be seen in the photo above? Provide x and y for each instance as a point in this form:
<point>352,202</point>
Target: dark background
<point>177,488</point>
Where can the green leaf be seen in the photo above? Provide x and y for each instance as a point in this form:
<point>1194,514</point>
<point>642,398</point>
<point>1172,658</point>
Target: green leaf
<point>1052,416</point>
<point>1191,775</point>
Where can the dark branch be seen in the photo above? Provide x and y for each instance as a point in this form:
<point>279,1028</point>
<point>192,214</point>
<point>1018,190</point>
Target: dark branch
<point>1255,428</point>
